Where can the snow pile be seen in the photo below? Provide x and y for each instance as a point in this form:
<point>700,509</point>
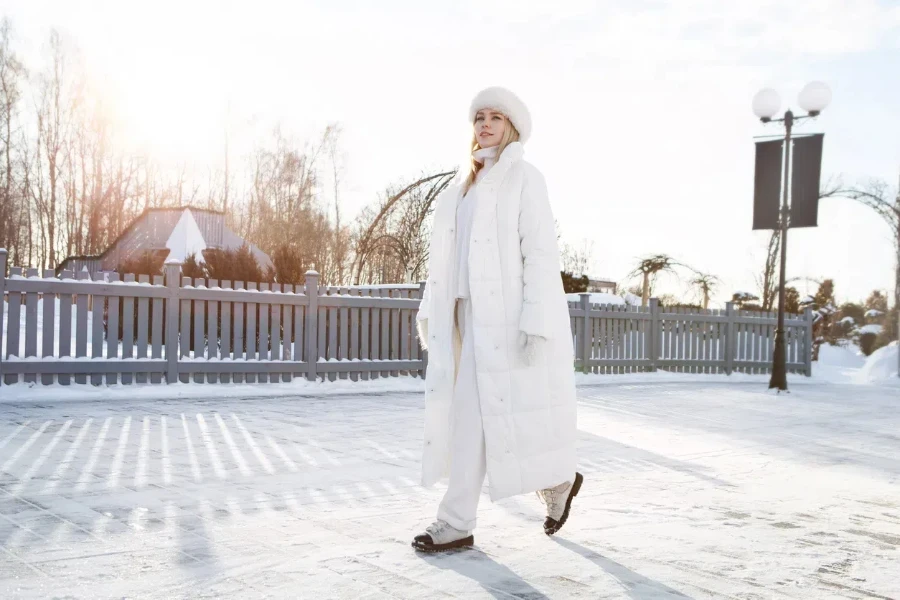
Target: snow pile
<point>29,392</point>
<point>848,321</point>
<point>840,356</point>
<point>881,367</point>
<point>874,314</point>
<point>186,239</point>
<point>872,328</point>
<point>598,298</point>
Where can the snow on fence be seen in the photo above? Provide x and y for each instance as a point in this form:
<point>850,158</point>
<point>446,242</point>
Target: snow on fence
<point>70,327</point>
<point>628,339</point>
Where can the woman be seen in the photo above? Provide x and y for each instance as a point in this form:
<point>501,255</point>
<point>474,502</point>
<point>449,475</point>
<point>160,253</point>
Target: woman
<point>500,396</point>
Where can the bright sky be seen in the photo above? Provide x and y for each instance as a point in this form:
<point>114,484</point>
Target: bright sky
<point>642,115</point>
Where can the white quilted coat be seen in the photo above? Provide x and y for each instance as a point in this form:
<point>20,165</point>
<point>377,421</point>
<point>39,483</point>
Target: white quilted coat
<point>529,412</point>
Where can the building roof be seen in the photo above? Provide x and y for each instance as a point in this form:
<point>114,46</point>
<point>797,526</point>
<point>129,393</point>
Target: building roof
<point>181,230</point>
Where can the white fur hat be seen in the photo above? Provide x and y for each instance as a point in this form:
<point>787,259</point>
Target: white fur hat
<point>503,100</point>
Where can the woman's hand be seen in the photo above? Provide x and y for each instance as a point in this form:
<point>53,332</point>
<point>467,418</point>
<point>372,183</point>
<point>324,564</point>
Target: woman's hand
<point>529,345</point>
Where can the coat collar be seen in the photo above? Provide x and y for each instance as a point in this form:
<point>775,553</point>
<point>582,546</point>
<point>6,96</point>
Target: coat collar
<point>512,154</point>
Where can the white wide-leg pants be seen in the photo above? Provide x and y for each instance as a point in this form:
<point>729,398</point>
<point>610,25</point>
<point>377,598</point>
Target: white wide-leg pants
<point>468,464</point>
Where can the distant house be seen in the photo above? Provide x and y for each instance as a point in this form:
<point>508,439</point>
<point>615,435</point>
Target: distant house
<point>171,232</point>
<point>601,285</point>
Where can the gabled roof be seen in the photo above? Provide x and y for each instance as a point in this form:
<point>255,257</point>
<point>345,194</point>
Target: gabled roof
<point>207,223</point>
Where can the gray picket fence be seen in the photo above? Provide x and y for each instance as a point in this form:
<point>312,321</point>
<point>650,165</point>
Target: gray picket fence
<point>630,339</point>
<point>72,328</point>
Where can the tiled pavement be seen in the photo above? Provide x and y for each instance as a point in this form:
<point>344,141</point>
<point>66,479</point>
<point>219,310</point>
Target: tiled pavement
<point>701,491</point>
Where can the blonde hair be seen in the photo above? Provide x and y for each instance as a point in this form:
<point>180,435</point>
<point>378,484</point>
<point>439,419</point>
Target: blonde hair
<point>510,135</point>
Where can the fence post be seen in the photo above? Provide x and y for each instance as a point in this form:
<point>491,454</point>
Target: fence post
<point>808,313</point>
<point>423,351</point>
<point>586,333</point>
<point>173,276</point>
<point>729,338</point>
<point>653,346</point>
<point>312,324</point>
<point>3,256</point>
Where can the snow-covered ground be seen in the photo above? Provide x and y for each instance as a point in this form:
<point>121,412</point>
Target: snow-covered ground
<point>694,488</point>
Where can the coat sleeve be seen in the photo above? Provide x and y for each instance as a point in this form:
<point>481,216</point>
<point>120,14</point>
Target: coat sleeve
<point>540,253</point>
<point>424,304</point>
<point>422,317</point>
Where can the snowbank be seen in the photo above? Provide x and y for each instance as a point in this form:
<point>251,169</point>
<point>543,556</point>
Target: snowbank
<point>27,392</point>
<point>881,367</point>
<point>632,299</point>
<point>840,356</point>
<point>590,380</point>
<point>872,328</point>
<point>838,364</point>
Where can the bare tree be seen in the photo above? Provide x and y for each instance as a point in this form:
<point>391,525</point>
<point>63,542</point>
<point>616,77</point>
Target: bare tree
<point>878,196</point>
<point>649,269</point>
<point>743,298</point>
<point>392,238</point>
<point>52,115</point>
<point>705,283</point>
<point>342,237</point>
<point>577,259</point>
<point>12,73</point>
<point>768,279</point>
<point>285,216</point>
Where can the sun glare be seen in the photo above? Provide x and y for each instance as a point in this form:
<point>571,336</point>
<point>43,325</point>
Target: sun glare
<point>168,117</point>
<point>169,101</point>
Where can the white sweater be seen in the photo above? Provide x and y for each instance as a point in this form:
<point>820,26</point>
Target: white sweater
<point>464,213</point>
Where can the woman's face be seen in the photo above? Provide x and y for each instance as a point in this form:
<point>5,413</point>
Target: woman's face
<point>489,127</point>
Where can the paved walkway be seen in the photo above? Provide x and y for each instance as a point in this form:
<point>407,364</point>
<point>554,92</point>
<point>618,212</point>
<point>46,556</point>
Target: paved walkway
<point>692,491</point>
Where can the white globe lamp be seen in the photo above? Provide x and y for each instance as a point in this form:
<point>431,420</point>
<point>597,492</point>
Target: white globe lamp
<point>814,97</point>
<point>766,104</point>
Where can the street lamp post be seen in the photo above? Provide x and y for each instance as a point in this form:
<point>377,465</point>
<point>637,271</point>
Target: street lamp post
<point>813,99</point>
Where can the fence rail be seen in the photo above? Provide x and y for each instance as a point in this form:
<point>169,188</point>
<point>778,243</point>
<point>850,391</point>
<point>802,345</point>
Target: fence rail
<point>70,328</point>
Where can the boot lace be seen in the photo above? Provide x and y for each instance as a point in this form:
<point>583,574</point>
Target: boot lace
<point>554,498</point>
<point>437,529</point>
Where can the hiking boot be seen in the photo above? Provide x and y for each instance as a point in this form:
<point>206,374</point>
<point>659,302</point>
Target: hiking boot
<point>559,500</point>
<point>440,536</point>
